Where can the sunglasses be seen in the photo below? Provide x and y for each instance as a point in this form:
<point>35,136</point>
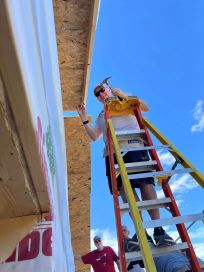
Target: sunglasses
<point>102,90</point>
<point>124,230</point>
<point>97,241</point>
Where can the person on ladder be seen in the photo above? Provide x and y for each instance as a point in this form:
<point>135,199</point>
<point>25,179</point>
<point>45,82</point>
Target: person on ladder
<point>174,261</point>
<point>146,186</point>
<point>131,245</point>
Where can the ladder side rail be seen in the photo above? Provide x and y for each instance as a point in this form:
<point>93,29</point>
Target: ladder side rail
<point>145,248</point>
<point>196,174</point>
<point>152,152</point>
<point>182,230</point>
<point>115,198</point>
<point>175,211</point>
<point>168,193</point>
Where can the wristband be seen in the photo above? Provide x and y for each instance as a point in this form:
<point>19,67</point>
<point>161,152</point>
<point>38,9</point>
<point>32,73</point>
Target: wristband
<point>85,122</point>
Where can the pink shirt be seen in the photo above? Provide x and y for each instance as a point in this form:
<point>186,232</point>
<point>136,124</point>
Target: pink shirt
<point>101,261</point>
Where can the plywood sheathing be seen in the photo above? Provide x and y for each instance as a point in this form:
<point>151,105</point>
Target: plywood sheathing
<point>23,190</point>
<point>79,176</point>
<point>75,26</point>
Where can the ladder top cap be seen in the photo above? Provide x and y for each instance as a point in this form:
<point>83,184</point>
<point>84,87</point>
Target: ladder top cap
<point>124,107</point>
<point>116,100</point>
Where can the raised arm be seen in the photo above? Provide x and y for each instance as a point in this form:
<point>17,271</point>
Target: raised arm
<point>143,106</point>
<point>93,133</point>
<point>78,258</point>
<point>118,92</point>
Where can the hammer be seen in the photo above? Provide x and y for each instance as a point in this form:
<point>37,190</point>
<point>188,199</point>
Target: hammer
<point>105,81</point>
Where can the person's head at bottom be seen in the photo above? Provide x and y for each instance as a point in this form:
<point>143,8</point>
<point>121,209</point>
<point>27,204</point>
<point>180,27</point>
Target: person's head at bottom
<point>98,242</point>
<point>125,231</point>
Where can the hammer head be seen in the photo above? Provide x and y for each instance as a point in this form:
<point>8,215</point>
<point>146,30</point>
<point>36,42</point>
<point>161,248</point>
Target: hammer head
<point>105,81</point>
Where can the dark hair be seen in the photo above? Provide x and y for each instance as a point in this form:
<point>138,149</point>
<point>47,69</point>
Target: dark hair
<point>97,86</point>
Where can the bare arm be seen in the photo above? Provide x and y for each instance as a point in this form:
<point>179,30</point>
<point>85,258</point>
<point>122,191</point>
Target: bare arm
<point>93,133</point>
<point>78,258</point>
<point>118,265</point>
<point>143,106</point>
<point>118,92</point>
<point>121,94</point>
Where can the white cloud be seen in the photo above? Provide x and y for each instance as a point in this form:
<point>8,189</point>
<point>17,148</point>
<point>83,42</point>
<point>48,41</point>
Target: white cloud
<point>198,234</point>
<point>183,184</point>
<point>180,185</point>
<point>179,202</point>
<point>198,115</point>
<point>160,193</point>
<point>199,250</point>
<point>166,158</point>
<point>109,238</point>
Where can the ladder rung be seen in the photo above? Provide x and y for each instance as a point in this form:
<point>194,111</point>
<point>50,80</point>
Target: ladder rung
<point>156,251</point>
<point>160,173</point>
<point>173,220</point>
<point>128,149</point>
<point>147,204</point>
<point>129,133</point>
<point>137,166</point>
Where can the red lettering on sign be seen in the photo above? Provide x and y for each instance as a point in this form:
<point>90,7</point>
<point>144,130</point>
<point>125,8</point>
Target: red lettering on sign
<point>29,247</point>
<point>47,242</point>
<point>12,258</point>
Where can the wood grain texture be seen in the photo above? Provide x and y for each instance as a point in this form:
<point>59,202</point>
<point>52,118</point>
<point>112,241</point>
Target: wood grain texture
<point>75,23</point>
<point>79,187</point>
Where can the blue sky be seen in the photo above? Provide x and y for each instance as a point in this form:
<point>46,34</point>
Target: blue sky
<point>155,50</point>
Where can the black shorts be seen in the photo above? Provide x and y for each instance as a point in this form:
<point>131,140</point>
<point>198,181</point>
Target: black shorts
<point>133,156</point>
